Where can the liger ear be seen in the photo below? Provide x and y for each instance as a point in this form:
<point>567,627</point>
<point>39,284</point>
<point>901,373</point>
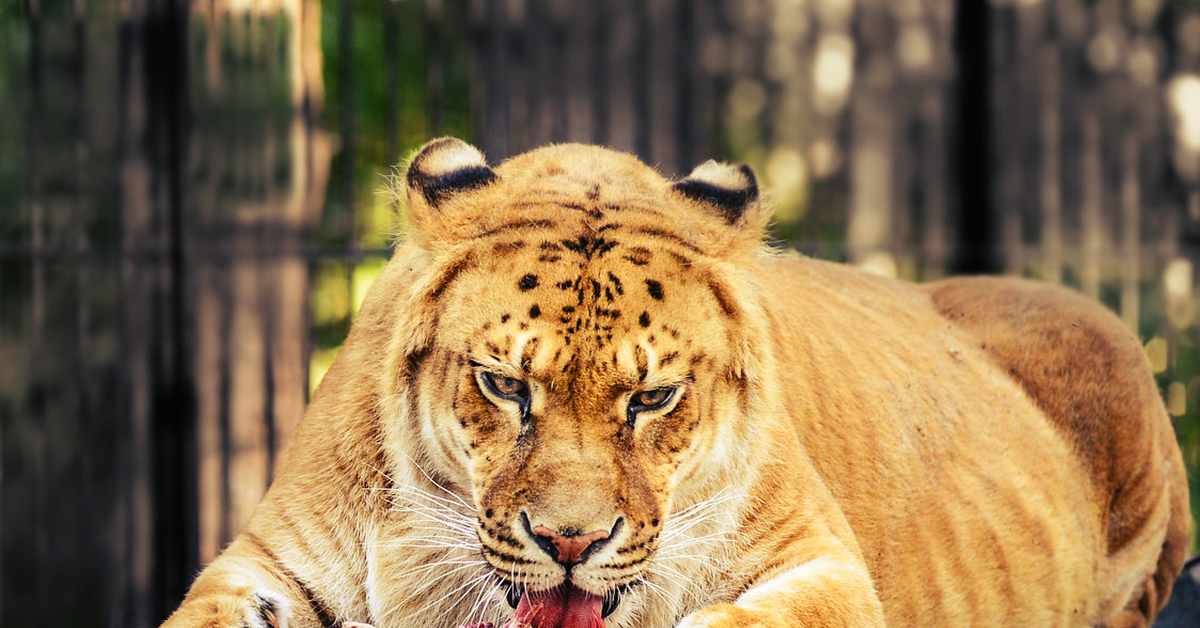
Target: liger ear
<point>440,170</point>
<point>730,190</point>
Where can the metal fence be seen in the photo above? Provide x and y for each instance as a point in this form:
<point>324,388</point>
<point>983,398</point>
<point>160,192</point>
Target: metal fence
<point>189,213</point>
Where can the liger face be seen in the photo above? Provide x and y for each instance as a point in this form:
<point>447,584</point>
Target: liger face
<point>582,374</point>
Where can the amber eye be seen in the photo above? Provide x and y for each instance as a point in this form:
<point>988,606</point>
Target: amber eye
<point>509,388</point>
<point>650,400</point>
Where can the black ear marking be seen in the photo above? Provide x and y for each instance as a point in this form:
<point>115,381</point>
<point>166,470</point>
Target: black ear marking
<point>731,189</point>
<point>445,167</point>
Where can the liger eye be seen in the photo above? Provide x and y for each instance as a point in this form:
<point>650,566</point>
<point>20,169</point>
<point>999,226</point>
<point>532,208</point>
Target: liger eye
<point>505,387</point>
<point>650,400</point>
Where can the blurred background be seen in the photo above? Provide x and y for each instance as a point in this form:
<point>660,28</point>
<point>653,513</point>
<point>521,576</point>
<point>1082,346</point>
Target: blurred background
<point>190,209</point>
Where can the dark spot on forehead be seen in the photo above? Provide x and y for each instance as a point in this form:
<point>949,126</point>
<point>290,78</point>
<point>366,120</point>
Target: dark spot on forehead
<point>527,283</point>
<point>535,311</point>
<point>668,237</point>
<point>594,193</point>
<point>655,289</point>
<point>589,247</point>
<point>504,318</point>
<point>518,225</point>
<point>682,260</point>
<point>640,256</point>
<point>508,247</point>
<point>644,319</point>
<point>616,283</point>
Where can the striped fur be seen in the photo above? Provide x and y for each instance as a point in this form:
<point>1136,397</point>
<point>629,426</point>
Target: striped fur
<point>840,449</point>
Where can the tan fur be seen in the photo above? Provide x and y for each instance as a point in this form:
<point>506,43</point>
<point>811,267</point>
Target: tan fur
<point>846,450</point>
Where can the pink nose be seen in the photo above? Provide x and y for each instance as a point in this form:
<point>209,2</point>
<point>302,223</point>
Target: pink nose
<point>570,548</point>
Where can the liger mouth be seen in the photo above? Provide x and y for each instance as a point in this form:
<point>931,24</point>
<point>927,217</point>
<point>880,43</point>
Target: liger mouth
<point>563,606</point>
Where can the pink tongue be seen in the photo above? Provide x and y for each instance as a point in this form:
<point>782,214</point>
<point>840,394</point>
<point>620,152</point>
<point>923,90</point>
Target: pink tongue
<point>565,606</point>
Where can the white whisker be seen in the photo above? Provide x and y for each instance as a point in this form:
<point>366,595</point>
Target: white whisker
<point>466,585</point>
<point>432,566</point>
<point>425,544</point>
<point>482,601</point>
<point>452,503</point>
<point>435,483</point>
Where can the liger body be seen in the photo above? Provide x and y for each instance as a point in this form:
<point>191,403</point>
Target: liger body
<point>580,387</point>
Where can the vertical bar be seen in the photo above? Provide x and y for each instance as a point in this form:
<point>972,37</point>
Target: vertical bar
<point>616,65</point>
<point>5,422</point>
<point>516,45</point>
<point>391,60</point>
<point>310,173</point>
<point>175,537</point>
<point>705,94</point>
<point>248,434</point>
<point>435,66</point>
<point>349,142</point>
<point>934,184</point>
<point>641,81</point>
<point>974,250</point>
<point>349,137</point>
<point>600,35</point>
<point>225,411</point>
<point>209,302</point>
<point>1050,191</point>
<point>121,580</point>
<point>477,36</point>
<point>495,130</point>
<point>1092,193</point>
<point>722,29</point>
<point>136,220</point>
<point>872,194</point>
<point>577,84</point>
<point>304,195</point>
<point>662,82</point>
<point>1130,233</point>
<point>537,36</point>
<point>211,400</point>
<point>560,68</point>
<point>1008,53</point>
<point>91,492</point>
<point>270,303</point>
<point>80,205</point>
<point>37,418</point>
<point>249,424</point>
<point>686,60</point>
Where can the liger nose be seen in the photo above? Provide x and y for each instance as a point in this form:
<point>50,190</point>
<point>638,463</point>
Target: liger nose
<point>568,549</point>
